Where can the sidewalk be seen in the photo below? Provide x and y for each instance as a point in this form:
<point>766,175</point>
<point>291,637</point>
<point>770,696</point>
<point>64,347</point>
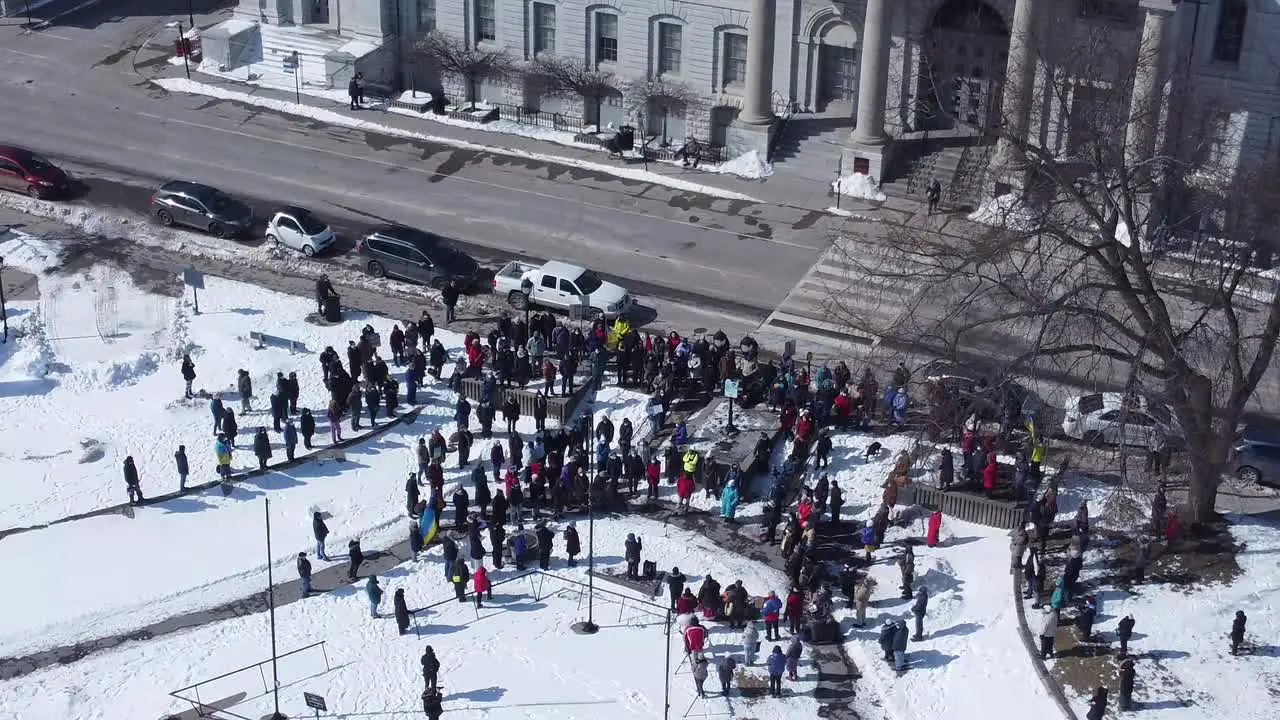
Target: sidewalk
<point>780,189</point>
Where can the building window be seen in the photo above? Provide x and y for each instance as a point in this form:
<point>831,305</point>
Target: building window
<point>486,21</point>
<point>544,28</point>
<point>606,37</point>
<point>1230,36</point>
<point>426,15</point>
<point>735,58</point>
<point>1217,150</point>
<point>669,46</point>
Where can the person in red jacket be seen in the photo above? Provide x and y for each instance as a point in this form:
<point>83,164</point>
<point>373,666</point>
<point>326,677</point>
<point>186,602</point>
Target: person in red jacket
<point>794,611</point>
<point>684,490</point>
<point>804,427</point>
<point>989,475</point>
<point>788,417</point>
<point>843,405</point>
<point>804,510</point>
<point>653,473</point>
<point>695,637</point>
<point>686,603</point>
<point>480,581</point>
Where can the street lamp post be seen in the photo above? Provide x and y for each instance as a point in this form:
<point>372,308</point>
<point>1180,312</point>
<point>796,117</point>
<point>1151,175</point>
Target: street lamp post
<point>271,606</point>
<point>191,15</point>
<point>589,627</point>
<point>183,47</point>
<point>4,315</point>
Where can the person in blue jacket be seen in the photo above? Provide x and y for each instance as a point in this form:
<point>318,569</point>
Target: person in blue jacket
<point>681,435</point>
<point>776,664</point>
<point>729,501</point>
<point>868,538</point>
<point>374,591</point>
<point>290,439</point>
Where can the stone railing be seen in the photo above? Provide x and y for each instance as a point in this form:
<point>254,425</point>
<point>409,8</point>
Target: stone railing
<point>970,508</point>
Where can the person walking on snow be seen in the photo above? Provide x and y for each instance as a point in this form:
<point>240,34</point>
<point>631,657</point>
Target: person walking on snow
<point>729,503</point>
<point>700,666</point>
<point>355,556</point>
<point>1237,631</point>
<point>776,665</point>
<point>1124,631</point>
<point>724,669</point>
<point>430,669</point>
<point>131,482</point>
<point>481,585</point>
<point>188,373</point>
<point>675,585</point>
<point>374,593</point>
<point>750,643</point>
<point>1048,632</point>
<point>180,459</point>
<point>401,611</point>
<point>771,610</point>
<point>918,610</point>
<point>304,574</point>
<point>460,577</point>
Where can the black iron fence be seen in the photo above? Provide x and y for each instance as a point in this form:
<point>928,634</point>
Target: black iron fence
<point>538,118</point>
<point>232,693</point>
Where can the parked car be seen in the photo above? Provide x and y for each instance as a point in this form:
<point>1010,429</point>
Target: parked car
<point>26,172</point>
<point>298,229</point>
<point>972,393</point>
<point>1118,419</point>
<point>416,255</point>
<point>202,207</point>
<point>1256,457</point>
<point>560,286</point>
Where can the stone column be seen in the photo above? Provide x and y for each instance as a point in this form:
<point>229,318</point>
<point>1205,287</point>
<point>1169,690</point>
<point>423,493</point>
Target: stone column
<point>873,76</point>
<point>757,106</point>
<point>1020,76</point>
<point>1148,83</point>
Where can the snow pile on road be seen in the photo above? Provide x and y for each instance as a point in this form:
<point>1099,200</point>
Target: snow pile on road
<point>332,117</point>
<point>516,657</point>
<point>748,165</point>
<point>858,185</point>
<point>31,253</point>
<point>1006,211</point>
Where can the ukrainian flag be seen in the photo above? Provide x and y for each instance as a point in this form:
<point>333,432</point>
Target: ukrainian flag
<point>430,525</point>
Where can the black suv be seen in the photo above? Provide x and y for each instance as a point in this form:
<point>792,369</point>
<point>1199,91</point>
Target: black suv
<point>416,255</point>
<point>201,207</point>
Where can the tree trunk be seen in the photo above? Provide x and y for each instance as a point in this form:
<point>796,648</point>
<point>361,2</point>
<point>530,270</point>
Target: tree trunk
<point>1202,493</point>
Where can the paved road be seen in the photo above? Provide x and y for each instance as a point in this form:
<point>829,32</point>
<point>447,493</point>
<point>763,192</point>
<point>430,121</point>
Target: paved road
<point>716,257</point>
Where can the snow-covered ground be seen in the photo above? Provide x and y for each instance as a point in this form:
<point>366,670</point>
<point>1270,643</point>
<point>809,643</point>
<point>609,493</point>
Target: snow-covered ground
<point>518,658</point>
<point>1007,211</point>
<point>333,117</point>
<point>64,384</point>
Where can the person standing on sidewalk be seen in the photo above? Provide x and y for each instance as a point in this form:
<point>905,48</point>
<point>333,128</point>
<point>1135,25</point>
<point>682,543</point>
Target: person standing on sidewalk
<point>304,573</point>
<point>374,591</point>
<point>449,295</point>
<point>184,469</point>
<point>131,482</point>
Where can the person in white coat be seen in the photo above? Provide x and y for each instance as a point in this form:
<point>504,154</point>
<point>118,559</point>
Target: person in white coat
<point>750,643</point>
<point>1048,631</point>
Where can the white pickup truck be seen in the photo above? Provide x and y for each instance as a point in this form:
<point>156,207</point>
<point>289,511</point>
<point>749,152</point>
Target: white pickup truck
<point>560,286</point>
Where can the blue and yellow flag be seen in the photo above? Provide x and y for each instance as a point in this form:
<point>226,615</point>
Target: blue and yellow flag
<point>430,525</point>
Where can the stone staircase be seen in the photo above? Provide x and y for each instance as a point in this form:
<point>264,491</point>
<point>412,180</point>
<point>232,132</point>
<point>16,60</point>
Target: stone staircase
<point>958,164</point>
<point>810,146</point>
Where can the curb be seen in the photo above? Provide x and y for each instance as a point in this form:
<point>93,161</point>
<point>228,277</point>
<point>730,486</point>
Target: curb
<point>405,418</point>
<point>1033,653</point>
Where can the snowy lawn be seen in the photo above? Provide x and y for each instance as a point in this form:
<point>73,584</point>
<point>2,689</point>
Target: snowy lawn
<point>333,117</point>
<point>517,659</point>
<point>65,384</point>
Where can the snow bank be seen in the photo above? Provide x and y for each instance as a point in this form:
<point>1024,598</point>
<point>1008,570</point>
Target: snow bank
<point>34,359</point>
<point>332,117</point>
<point>1006,211</point>
<point>28,252</point>
<point>117,373</point>
<point>858,185</point>
<point>748,165</point>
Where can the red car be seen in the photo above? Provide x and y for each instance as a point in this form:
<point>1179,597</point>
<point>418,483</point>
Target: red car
<point>26,172</point>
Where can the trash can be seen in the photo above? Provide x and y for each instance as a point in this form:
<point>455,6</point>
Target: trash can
<point>333,309</point>
<point>626,138</point>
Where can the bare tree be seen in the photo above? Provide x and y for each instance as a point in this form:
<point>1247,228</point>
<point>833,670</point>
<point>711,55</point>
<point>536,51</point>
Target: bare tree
<point>1117,265</point>
<point>467,63</point>
<point>662,98</point>
<point>562,77</point>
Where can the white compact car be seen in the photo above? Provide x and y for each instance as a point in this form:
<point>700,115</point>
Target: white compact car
<point>296,228</point>
<point>1118,419</point>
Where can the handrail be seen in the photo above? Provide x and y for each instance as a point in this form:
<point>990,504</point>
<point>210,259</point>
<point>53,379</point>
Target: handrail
<point>246,667</point>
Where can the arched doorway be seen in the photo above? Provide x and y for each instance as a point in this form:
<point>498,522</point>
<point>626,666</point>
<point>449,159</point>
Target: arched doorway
<point>962,68</point>
<point>837,85</point>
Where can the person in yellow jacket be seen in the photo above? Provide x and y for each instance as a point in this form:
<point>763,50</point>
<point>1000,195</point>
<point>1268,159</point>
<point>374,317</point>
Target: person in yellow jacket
<point>690,460</point>
<point>621,326</point>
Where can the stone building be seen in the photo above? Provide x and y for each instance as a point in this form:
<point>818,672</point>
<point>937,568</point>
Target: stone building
<point>885,87</point>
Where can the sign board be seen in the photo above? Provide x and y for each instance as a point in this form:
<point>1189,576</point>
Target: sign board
<point>655,409</point>
<point>192,277</point>
<point>731,389</point>
<point>290,62</point>
<point>315,702</point>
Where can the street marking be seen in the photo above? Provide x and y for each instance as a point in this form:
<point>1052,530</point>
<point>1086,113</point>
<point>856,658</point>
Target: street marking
<point>26,54</point>
<point>430,173</point>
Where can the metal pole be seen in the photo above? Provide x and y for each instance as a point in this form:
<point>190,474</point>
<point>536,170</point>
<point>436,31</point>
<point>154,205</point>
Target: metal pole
<point>297,80</point>
<point>182,47</point>
<point>666,683</point>
<point>4,315</point>
<point>591,534</point>
<point>839,173</point>
<point>191,14</point>
<point>271,607</point>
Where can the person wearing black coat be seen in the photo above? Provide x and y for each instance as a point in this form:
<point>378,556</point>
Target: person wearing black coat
<point>632,549</point>
<point>412,494</point>
<point>355,556</point>
<point>278,404</point>
<point>1237,631</point>
<point>307,426</point>
<point>320,531</point>
<point>1125,701</point>
<point>497,540</point>
<point>480,480</point>
<point>415,538</point>
<point>450,550</point>
<point>401,611</point>
<point>1124,631</point>
<point>304,574</point>
<point>460,502</point>
<point>180,459</point>
<point>836,502</point>
<point>476,545</point>
<point>291,393</point>
<point>1097,704</point>
<point>188,373</point>
<point>572,543</point>
<point>946,470</point>
<point>887,633</point>
<point>545,540</point>
<point>230,427</point>
<point>675,585</point>
<point>465,438</point>
<point>353,404</point>
<point>511,413</point>
<point>262,447</point>
<point>430,669</point>
<point>353,359</point>
<point>372,398</point>
<point>498,514</point>
<point>460,576</point>
<point>540,412</point>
